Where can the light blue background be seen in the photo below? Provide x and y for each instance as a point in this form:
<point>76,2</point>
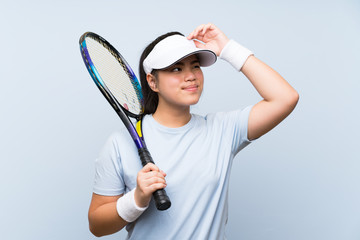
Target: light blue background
<point>299,182</point>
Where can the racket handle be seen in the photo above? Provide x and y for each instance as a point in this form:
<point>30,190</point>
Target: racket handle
<point>161,199</point>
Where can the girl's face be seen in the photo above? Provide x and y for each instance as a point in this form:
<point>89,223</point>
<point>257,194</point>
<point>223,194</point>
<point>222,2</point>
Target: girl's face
<point>181,84</point>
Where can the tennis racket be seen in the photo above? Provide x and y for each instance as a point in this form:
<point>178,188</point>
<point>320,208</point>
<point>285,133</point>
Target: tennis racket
<point>119,85</point>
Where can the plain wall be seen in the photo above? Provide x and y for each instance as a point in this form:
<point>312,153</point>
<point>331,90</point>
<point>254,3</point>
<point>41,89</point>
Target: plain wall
<point>299,182</point>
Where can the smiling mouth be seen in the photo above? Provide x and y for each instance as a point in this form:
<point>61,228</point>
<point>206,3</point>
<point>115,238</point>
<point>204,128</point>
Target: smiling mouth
<point>191,88</point>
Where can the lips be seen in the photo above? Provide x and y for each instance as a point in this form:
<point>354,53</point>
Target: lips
<point>191,88</point>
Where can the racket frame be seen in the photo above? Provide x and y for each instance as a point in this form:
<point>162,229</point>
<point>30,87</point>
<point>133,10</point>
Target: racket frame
<point>162,201</point>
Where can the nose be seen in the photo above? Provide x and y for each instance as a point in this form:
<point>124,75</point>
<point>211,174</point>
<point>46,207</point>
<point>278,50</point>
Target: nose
<point>189,75</point>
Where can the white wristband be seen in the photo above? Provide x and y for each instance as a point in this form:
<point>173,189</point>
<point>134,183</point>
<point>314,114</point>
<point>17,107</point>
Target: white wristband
<point>127,208</point>
<point>235,54</point>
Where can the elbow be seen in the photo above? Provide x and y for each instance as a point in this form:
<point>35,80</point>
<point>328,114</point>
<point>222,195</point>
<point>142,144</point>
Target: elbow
<point>94,228</point>
<point>294,99</point>
<point>95,232</point>
<point>289,101</point>
<point>100,229</point>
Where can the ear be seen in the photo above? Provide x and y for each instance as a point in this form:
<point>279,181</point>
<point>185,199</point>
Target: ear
<point>151,80</point>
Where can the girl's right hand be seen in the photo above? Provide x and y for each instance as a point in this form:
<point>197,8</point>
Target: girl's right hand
<point>149,179</point>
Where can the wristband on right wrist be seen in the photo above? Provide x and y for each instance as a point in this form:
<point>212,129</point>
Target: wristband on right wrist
<point>127,208</point>
<point>235,54</point>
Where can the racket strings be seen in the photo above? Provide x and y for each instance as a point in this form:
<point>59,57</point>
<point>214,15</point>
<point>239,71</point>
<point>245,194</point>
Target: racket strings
<point>115,75</point>
<point>131,75</point>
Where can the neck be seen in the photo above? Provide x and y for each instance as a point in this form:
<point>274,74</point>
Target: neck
<point>173,117</point>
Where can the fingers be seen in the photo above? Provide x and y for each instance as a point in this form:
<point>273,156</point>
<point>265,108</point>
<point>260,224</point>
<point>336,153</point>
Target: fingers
<point>210,37</point>
<point>150,167</point>
<point>208,27</point>
<point>163,173</point>
<point>199,44</point>
<point>153,177</point>
<point>195,33</point>
<point>149,179</point>
<point>200,32</point>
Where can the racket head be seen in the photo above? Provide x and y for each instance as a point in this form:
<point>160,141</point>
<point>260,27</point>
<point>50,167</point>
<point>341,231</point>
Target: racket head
<point>112,74</point>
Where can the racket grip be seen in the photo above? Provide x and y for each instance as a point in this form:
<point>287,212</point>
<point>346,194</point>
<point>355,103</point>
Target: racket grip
<point>161,198</point>
<point>145,156</point>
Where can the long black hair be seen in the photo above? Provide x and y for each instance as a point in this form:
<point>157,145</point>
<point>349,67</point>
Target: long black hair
<point>151,98</point>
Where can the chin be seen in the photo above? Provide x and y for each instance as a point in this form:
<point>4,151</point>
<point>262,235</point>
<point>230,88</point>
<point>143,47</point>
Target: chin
<point>193,102</point>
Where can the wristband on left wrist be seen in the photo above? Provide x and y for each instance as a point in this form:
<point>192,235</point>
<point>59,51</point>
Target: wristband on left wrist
<point>235,54</point>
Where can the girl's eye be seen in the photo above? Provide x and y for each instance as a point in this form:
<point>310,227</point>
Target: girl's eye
<point>177,69</point>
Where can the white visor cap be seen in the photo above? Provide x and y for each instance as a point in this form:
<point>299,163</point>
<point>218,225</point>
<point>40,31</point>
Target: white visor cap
<point>174,48</point>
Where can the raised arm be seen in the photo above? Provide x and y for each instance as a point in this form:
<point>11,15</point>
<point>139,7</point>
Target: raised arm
<point>279,98</point>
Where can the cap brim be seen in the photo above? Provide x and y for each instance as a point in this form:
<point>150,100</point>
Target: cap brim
<point>206,58</point>
<point>174,49</point>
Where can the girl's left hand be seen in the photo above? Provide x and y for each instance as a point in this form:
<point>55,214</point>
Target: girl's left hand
<point>211,38</point>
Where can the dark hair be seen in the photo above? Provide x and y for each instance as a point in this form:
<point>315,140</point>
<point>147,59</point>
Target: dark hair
<point>151,98</point>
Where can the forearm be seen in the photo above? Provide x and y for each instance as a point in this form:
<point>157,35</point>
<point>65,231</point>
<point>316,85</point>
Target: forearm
<point>268,83</point>
<point>105,220</point>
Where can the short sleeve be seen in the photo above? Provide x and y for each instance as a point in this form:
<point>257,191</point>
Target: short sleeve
<point>109,176</point>
<point>235,129</point>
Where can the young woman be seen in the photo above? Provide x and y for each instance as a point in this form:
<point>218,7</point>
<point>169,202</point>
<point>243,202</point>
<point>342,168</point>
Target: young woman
<point>195,151</point>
